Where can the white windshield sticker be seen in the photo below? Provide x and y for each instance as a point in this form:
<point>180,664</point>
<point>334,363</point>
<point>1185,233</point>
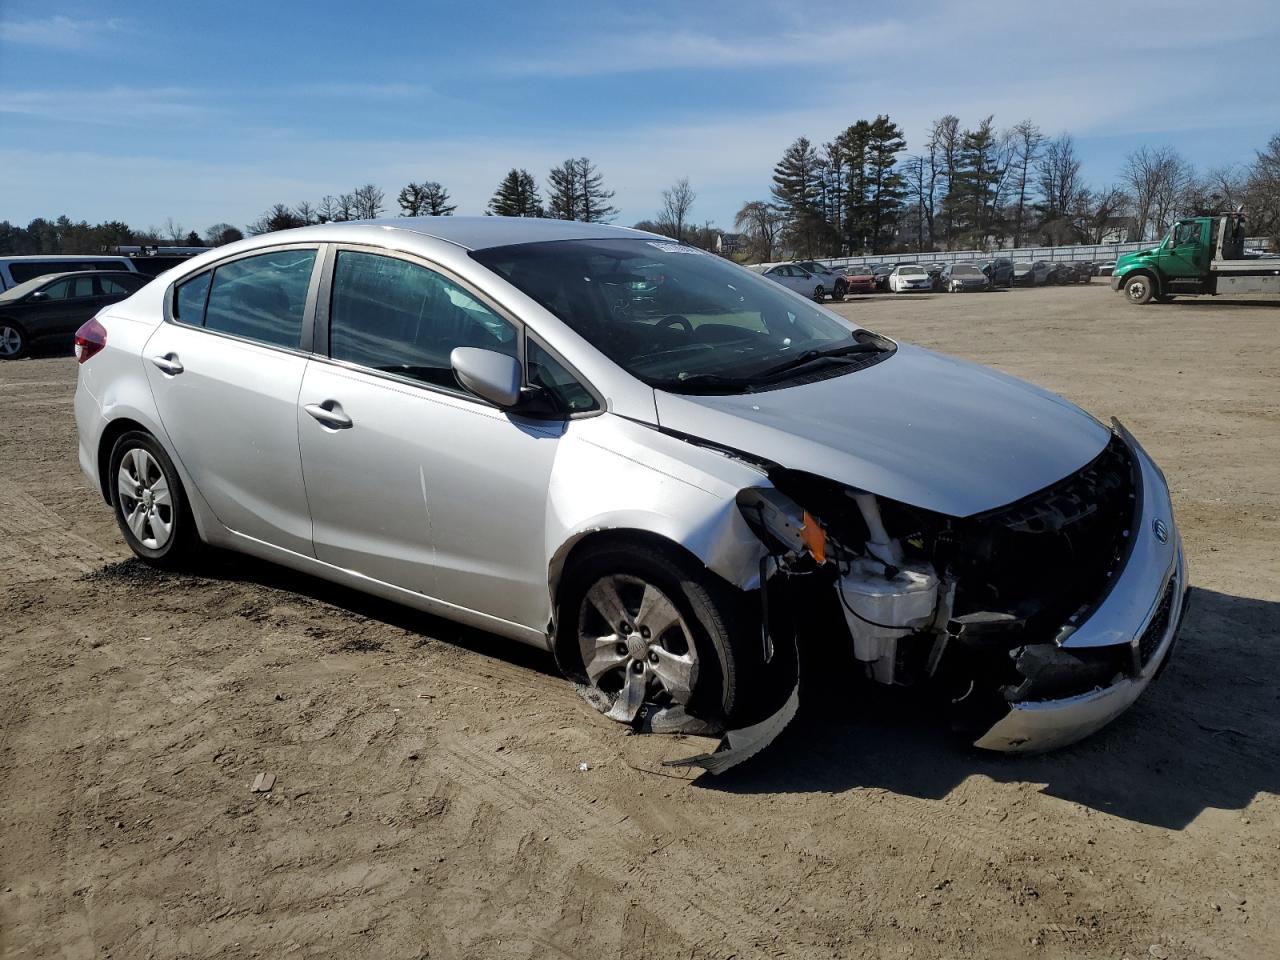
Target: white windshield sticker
<point>675,248</point>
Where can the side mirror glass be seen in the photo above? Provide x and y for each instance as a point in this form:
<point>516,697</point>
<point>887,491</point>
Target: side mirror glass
<point>40,295</point>
<point>488,374</point>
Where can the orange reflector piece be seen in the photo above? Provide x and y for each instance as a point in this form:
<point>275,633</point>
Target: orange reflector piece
<point>814,538</point>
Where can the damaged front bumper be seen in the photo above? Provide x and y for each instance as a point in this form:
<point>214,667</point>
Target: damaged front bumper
<point>1143,611</point>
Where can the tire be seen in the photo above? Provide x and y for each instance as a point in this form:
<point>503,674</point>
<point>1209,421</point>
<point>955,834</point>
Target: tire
<point>819,294</point>
<point>1139,290</point>
<point>138,460</point>
<point>839,292</point>
<point>714,616</point>
<point>13,340</point>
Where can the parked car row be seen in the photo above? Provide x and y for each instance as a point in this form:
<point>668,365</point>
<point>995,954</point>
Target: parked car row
<point>48,309</point>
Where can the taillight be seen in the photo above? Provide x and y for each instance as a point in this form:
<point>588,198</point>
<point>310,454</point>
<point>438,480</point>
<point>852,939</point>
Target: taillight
<point>90,338</point>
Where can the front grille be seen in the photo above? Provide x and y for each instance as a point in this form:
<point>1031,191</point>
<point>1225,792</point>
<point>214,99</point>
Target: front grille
<point>1149,643</point>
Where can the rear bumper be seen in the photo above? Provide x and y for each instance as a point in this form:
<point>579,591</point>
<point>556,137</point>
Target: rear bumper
<point>1132,614</point>
<point>89,426</point>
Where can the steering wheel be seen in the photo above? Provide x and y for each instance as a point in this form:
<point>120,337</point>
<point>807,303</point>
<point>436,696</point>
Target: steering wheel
<point>675,320</point>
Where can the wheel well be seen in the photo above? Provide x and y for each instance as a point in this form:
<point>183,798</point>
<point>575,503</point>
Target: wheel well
<point>563,647</point>
<point>114,431</point>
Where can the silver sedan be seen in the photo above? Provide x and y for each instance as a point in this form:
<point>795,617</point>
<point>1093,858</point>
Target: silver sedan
<point>659,466</point>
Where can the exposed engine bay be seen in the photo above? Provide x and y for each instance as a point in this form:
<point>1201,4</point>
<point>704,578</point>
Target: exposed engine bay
<point>974,607</point>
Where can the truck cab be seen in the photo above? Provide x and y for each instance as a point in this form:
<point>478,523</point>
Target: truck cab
<point>1199,255</point>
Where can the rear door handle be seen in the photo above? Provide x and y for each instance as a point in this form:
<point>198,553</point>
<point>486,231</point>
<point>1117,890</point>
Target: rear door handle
<point>330,413</point>
<point>169,363</point>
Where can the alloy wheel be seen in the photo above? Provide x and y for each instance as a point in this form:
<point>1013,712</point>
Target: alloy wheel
<point>10,342</point>
<point>635,644</point>
<point>145,501</point>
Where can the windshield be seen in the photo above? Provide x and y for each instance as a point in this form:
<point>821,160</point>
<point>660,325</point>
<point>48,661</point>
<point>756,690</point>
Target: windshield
<point>965,268</point>
<point>27,286</point>
<point>911,271</point>
<point>676,317</point>
<point>1022,266</point>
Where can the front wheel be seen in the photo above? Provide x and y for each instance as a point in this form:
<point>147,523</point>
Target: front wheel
<point>13,340</point>
<point>837,295</point>
<point>1139,290</point>
<point>150,504</point>
<point>651,627</point>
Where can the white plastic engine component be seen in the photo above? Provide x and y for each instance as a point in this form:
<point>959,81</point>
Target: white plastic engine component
<point>881,610</point>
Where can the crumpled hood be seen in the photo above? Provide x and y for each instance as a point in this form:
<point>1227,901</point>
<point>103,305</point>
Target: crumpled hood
<point>919,427</point>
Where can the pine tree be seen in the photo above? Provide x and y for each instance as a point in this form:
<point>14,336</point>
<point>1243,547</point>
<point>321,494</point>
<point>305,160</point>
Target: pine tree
<point>424,199</point>
<point>436,199</point>
<point>853,145</point>
<point>516,196</point>
<point>886,187</point>
<point>797,192</point>
<point>593,198</point>
<point>562,197</point>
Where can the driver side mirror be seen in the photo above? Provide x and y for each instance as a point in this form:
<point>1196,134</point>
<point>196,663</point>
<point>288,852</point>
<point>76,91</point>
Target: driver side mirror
<point>488,374</point>
<point>39,295</point>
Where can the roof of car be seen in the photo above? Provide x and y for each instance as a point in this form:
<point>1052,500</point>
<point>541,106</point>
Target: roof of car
<point>479,233</point>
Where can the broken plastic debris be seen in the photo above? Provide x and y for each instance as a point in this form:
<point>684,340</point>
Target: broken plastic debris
<point>743,744</point>
<point>263,783</point>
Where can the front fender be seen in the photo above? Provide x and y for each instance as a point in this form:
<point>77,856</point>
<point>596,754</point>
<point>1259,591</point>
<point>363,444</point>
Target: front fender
<point>614,474</point>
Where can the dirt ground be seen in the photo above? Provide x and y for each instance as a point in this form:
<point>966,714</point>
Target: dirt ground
<point>431,802</point>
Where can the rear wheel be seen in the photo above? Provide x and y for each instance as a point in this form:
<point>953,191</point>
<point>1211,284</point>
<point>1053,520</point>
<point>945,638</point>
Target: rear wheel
<point>1139,289</point>
<point>149,502</point>
<point>13,340</point>
<point>819,293</point>
<point>651,627</point>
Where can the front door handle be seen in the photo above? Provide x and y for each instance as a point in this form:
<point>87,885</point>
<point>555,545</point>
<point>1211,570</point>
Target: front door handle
<point>330,413</point>
<point>169,363</point>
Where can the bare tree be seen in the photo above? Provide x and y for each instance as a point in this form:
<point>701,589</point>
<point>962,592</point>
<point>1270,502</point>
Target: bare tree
<point>174,232</point>
<point>346,206</point>
<point>1262,191</point>
<point>1025,143</point>
<point>676,203</point>
<point>222,233</point>
<point>328,210</point>
<point>368,202</point>
<point>944,154</point>
<point>1058,173</point>
<point>306,212</point>
<point>763,224</point>
<point>1159,181</point>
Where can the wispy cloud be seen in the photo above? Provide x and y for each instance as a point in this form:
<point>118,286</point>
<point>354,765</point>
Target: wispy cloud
<point>656,51</point>
<point>366,91</point>
<point>61,32</point>
<point>114,106</point>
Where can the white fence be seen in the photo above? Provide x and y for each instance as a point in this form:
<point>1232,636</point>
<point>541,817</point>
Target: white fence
<point>1084,251</point>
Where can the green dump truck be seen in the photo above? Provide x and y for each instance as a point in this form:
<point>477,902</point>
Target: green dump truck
<point>1200,255</point>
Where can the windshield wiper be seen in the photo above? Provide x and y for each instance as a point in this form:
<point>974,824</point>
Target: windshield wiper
<point>706,383</point>
<point>808,356</point>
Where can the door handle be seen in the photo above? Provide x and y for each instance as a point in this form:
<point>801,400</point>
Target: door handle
<point>329,413</point>
<point>169,363</point>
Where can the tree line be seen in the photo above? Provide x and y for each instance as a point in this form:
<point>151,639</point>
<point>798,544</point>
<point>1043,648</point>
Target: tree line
<point>862,192</point>
<point>982,187</point>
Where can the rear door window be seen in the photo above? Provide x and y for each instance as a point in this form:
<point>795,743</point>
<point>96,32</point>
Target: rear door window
<point>261,298</point>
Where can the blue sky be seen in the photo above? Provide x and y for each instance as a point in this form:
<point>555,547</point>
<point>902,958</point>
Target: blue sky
<point>208,112</point>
